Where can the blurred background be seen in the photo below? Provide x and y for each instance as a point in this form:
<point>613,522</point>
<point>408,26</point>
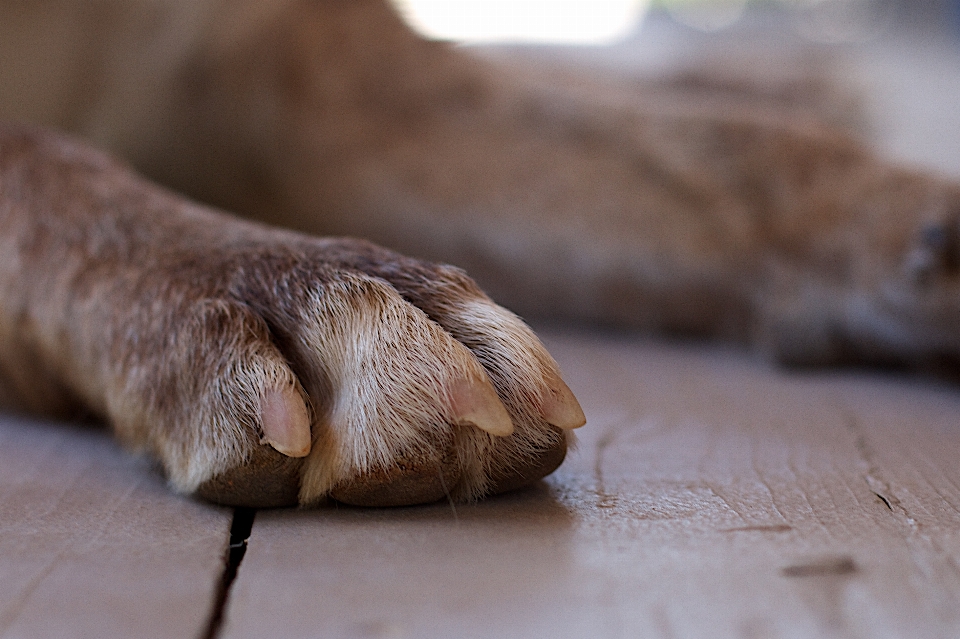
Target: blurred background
<point>900,59</point>
<point>606,21</point>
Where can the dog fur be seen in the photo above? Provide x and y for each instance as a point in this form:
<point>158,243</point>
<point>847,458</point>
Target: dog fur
<point>381,379</point>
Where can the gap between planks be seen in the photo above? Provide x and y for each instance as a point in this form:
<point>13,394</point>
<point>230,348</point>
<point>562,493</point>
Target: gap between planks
<point>241,527</point>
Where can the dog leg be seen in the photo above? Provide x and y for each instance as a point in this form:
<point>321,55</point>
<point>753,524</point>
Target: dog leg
<point>712,218</point>
<point>702,212</point>
<point>261,367</point>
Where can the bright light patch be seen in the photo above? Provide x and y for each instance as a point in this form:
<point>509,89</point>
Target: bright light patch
<point>557,21</point>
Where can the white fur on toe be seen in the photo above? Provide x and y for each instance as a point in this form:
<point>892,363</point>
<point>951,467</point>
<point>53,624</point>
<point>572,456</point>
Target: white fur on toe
<point>396,383</point>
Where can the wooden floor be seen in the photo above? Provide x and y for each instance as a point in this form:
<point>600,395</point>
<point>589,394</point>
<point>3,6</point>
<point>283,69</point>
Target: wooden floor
<point>711,495</point>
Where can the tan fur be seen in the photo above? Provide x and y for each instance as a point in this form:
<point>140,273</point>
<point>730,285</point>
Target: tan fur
<point>174,322</point>
<point>688,207</point>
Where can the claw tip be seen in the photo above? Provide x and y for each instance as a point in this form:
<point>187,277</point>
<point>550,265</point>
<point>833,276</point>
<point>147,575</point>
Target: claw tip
<point>560,407</point>
<point>286,422</point>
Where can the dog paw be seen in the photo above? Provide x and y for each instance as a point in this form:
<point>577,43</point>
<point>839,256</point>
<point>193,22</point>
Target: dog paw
<point>418,386</point>
<point>334,368</point>
<point>262,367</point>
<point>283,372</point>
<point>877,285</point>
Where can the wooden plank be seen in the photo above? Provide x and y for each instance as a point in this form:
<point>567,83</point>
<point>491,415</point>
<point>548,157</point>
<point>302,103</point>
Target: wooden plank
<point>92,544</point>
<point>711,495</point>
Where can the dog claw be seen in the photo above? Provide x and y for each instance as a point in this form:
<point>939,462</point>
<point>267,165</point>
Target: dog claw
<point>286,422</point>
<point>560,408</point>
<point>475,403</point>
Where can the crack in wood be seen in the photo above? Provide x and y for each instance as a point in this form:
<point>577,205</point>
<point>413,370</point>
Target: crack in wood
<point>240,529</point>
<point>886,502</point>
<point>885,493</point>
<point>874,478</point>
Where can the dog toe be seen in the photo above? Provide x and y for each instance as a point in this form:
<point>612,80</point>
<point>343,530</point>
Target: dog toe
<point>531,468</point>
<point>408,480</point>
<point>268,479</point>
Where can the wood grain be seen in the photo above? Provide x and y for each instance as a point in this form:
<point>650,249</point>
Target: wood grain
<point>93,544</point>
<point>710,495</point>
